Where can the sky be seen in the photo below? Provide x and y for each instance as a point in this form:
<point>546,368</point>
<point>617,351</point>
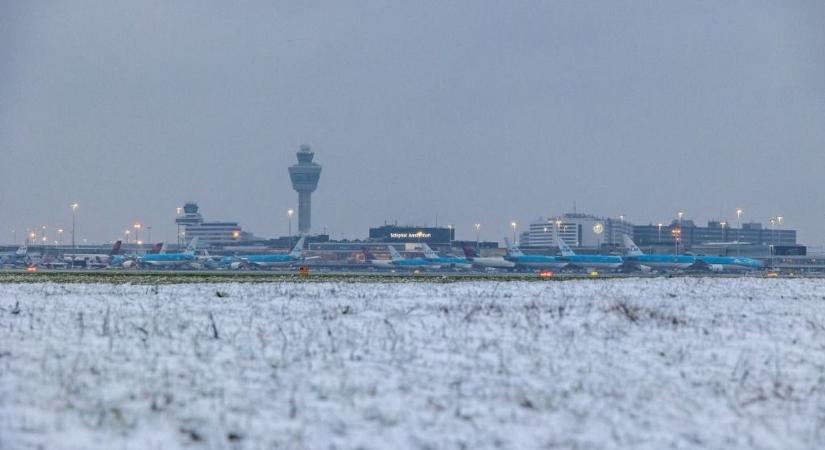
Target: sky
<point>462,112</point>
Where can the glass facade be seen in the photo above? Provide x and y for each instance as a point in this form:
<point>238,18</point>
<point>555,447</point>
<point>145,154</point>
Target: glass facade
<point>753,234</point>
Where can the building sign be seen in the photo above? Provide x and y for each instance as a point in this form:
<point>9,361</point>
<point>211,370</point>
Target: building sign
<point>416,235</point>
<point>428,235</point>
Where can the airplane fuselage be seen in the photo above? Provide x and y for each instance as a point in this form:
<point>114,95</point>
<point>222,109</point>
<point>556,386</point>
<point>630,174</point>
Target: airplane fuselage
<point>663,262</point>
<point>492,262</point>
<point>730,262</point>
<point>415,263</point>
<point>269,260</point>
<point>452,263</point>
<point>166,260</point>
<point>537,262</point>
<point>599,262</point>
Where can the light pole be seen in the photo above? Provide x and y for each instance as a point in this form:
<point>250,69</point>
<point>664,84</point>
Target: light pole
<point>738,230</point>
<point>126,235</point>
<point>514,225</point>
<point>680,214</point>
<point>677,234</point>
<point>289,216</point>
<point>660,232</point>
<point>137,231</point>
<point>60,236</point>
<point>779,225</point>
<point>773,238</point>
<point>450,237</point>
<point>558,233</point>
<point>178,211</point>
<point>598,228</point>
<point>14,236</point>
<point>74,211</point>
<point>723,224</point>
<point>477,227</point>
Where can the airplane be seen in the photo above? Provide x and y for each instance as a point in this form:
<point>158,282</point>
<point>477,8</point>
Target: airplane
<point>230,262</point>
<point>446,262</point>
<point>274,260</point>
<point>128,261</point>
<point>487,262</point>
<point>93,260</point>
<point>727,263</point>
<point>540,262</point>
<point>640,261</point>
<point>377,263</point>
<point>18,257</point>
<point>589,262</point>
<point>21,251</point>
<point>411,263</point>
<point>186,258</point>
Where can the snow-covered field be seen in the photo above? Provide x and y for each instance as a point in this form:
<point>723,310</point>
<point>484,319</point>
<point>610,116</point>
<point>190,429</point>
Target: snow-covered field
<point>655,363</point>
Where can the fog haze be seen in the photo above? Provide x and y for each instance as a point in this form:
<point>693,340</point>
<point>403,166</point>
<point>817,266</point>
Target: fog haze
<point>472,112</point>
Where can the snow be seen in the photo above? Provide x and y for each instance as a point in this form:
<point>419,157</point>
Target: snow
<point>629,363</point>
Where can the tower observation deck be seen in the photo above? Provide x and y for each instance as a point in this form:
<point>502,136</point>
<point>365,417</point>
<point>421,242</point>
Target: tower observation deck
<point>305,176</point>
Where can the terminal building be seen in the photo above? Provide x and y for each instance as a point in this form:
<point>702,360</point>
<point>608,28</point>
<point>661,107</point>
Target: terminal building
<point>717,238</point>
<point>591,233</point>
<point>191,224</point>
<point>438,238</point>
<point>576,230</point>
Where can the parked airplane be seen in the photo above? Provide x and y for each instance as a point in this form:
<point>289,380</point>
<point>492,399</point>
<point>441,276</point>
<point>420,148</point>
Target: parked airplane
<point>18,257</point>
<point>411,263</point>
<point>639,261</point>
<point>378,263</point>
<point>671,262</point>
<point>588,262</point>
<point>274,260</point>
<point>185,258</point>
<point>92,260</point>
<point>487,262</point>
<point>727,263</point>
<point>538,262</point>
<point>446,262</point>
<point>230,262</point>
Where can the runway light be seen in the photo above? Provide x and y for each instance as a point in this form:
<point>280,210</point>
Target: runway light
<point>545,274</point>
<point>31,269</point>
<point>594,274</point>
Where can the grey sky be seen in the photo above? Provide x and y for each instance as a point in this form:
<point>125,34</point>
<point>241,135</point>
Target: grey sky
<point>478,111</point>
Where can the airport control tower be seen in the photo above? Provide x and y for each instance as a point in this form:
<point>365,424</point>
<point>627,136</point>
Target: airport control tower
<point>304,176</point>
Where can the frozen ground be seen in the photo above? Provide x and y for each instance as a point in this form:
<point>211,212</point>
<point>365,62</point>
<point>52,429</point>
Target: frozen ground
<point>680,363</point>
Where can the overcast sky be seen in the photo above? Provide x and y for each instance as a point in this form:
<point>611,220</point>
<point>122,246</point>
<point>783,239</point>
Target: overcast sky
<point>473,111</point>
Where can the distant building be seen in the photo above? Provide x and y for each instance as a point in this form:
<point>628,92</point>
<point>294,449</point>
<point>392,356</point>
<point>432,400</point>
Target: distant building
<point>209,234</point>
<point>715,233</point>
<point>577,230</point>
